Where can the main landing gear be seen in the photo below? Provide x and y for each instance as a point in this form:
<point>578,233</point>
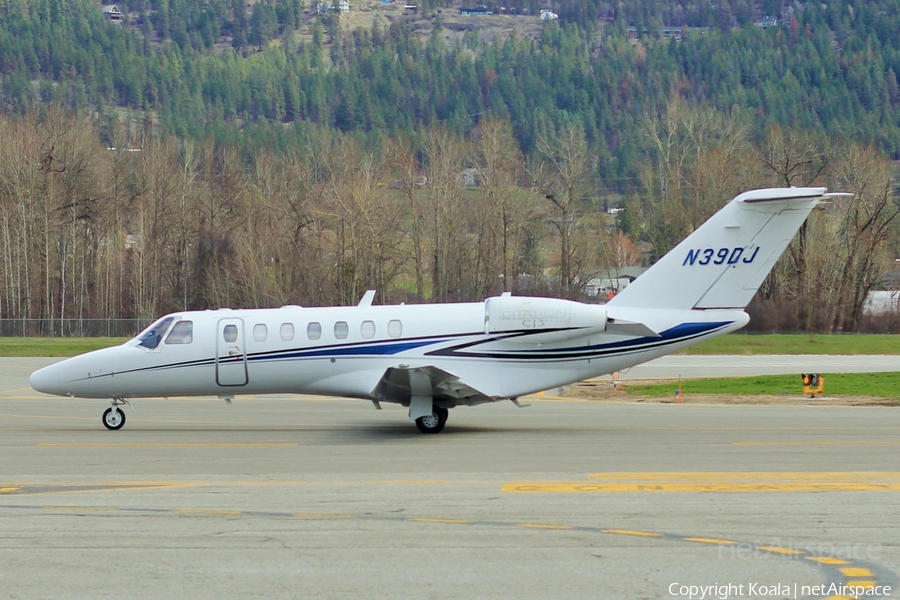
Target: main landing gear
<point>434,422</point>
<point>113,418</point>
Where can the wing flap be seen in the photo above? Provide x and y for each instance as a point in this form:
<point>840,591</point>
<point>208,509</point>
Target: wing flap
<point>396,385</point>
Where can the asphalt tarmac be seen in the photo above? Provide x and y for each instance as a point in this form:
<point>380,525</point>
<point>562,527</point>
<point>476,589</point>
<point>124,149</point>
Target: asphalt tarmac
<point>304,497</point>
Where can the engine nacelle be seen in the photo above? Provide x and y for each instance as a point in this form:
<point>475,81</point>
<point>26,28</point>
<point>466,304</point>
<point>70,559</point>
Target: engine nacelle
<point>523,313</point>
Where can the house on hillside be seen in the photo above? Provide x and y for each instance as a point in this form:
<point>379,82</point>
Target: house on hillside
<point>111,12</point>
<point>890,279</point>
<point>469,177</point>
<point>611,281</point>
<point>324,6</point>
<point>667,32</point>
<point>548,15</point>
<point>475,10</point>
<point>882,302</point>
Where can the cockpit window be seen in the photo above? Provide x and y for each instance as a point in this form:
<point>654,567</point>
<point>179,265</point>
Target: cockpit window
<point>151,338</point>
<point>182,333</point>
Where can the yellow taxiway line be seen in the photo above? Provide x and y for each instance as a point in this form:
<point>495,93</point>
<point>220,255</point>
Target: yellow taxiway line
<point>821,443</point>
<point>866,481</point>
<point>167,444</point>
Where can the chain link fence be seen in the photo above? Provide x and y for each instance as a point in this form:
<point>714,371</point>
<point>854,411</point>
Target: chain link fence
<point>71,327</point>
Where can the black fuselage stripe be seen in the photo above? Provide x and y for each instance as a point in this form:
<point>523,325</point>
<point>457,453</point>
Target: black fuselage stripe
<point>455,351</point>
<point>452,352</point>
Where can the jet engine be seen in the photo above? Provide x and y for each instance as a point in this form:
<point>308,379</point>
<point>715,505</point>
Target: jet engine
<point>562,318</point>
<point>554,320</point>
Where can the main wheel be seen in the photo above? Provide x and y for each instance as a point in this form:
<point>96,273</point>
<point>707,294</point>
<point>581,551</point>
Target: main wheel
<point>113,420</point>
<point>434,422</point>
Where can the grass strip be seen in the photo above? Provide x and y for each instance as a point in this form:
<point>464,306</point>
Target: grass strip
<point>798,343</point>
<point>33,346</point>
<point>876,385</point>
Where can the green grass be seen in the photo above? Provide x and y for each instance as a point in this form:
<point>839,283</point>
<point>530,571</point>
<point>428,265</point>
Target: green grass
<point>879,385</point>
<point>31,346</point>
<point>780,343</point>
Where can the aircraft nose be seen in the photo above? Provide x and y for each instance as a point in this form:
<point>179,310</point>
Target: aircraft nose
<point>46,380</point>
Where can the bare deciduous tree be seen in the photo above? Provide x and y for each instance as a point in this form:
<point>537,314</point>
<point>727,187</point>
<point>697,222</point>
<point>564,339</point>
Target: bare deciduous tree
<point>700,160</point>
<point>866,219</point>
<point>499,165</point>
<point>797,158</point>
<point>444,162</point>
<point>564,173</point>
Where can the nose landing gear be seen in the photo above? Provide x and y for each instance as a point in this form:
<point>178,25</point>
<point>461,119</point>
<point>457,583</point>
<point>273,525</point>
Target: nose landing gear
<point>113,418</point>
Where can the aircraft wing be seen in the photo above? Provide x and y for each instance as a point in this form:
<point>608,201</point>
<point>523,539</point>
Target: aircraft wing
<point>398,384</point>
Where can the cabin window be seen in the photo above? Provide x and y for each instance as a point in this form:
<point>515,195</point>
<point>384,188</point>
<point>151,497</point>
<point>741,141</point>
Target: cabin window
<point>395,328</point>
<point>260,332</point>
<point>367,329</point>
<point>287,331</point>
<point>341,329</point>
<point>230,333</point>
<point>182,333</point>
<point>151,338</point>
<point>314,331</point>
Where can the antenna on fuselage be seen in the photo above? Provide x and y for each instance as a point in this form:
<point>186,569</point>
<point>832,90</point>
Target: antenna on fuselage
<point>367,298</point>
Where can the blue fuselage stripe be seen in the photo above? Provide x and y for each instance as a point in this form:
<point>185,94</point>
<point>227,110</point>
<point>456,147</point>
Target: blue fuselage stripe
<point>468,348</point>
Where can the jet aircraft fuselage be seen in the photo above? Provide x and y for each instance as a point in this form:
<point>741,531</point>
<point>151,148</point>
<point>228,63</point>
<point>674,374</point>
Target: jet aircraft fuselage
<point>345,351</point>
<point>434,357</point>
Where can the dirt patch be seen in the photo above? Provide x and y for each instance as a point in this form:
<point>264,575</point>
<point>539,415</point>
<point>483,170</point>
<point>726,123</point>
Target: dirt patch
<point>604,391</point>
<point>488,27</point>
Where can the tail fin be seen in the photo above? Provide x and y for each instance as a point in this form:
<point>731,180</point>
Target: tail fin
<point>723,263</point>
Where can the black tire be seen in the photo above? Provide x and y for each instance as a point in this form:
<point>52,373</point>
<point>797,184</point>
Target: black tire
<point>432,423</point>
<point>113,423</point>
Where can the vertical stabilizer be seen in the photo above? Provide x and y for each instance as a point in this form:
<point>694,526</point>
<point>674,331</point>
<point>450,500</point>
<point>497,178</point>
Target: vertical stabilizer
<point>723,263</point>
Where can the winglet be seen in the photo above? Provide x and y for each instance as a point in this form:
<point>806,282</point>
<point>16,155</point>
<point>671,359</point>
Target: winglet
<point>367,298</point>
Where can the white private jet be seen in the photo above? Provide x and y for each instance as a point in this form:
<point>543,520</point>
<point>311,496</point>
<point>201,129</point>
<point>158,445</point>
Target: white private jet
<point>432,358</point>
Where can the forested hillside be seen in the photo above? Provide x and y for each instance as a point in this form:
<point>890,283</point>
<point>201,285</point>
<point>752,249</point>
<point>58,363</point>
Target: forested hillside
<point>203,66</point>
<point>286,157</point>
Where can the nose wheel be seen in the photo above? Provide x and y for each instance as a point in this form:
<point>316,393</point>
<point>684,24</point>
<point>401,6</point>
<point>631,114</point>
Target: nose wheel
<point>113,418</point>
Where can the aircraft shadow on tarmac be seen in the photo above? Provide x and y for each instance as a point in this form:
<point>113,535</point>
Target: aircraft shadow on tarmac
<point>343,433</point>
<point>385,432</point>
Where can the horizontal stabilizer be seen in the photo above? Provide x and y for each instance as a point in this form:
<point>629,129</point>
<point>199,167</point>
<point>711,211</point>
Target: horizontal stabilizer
<point>631,328</point>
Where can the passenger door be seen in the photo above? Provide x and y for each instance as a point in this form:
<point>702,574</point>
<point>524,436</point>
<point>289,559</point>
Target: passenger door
<point>231,354</point>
